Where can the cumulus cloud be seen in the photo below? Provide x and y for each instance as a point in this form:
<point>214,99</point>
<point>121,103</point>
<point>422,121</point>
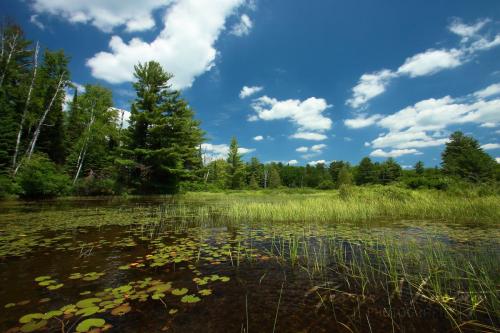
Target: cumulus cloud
<point>185,47</point>
<point>426,63</point>
<point>309,136</point>
<point>302,149</point>
<point>213,152</point>
<point>314,163</point>
<point>249,91</point>
<point>489,91</point>
<point>105,15</point>
<point>393,153</point>
<point>292,162</point>
<point>491,146</point>
<point>258,138</point>
<point>497,159</point>
<point>370,86</point>
<point>243,27</point>
<point>308,115</point>
<point>424,124</point>
<point>430,62</point>
<point>362,121</point>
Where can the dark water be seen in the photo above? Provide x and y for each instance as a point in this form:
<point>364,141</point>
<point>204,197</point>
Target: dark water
<point>175,276</point>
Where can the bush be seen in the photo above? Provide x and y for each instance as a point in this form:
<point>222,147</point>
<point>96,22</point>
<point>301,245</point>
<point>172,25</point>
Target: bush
<point>7,186</point>
<point>40,178</point>
<point>95,186</point>
<point>345,192</point>
<point>326,185</point>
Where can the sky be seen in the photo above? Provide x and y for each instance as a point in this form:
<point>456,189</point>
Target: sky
<point>296,82</point>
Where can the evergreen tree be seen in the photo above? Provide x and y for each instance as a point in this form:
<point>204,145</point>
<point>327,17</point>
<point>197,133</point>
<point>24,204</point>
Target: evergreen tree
<point>464,158</point>
<point>274,177</point>
<point>15,69</point>
<point>344,178</point>
<point>235,172</point>
<point>419,168</point>
<point>390,171</point>
<point>164,138</point>
<point>335,168</point>
<point>366,173</point>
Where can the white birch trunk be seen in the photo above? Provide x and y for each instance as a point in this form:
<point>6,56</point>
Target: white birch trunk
<point>25,111</point>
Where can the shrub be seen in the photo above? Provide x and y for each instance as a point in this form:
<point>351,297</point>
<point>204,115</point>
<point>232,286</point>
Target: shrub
<point>40,178</point>
<point>96,186</point>
<point>345,192</point>
<point>326,185</point>
<point>7,186</point>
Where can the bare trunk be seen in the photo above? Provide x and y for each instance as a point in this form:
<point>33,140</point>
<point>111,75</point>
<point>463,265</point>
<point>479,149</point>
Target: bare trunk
<point>25,111</point>
<point>9,57</point>
<point>83,151</point>
<point>32,144</point>
<point>207,175</point>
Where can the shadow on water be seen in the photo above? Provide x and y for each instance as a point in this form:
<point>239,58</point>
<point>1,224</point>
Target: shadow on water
<point>143,271</point>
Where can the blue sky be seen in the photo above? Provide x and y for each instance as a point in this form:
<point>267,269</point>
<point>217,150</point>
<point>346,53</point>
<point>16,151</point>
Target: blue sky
<point>325,80</point>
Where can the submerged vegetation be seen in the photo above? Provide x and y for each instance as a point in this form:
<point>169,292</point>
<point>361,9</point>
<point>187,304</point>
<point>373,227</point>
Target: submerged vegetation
<point>354,267</point>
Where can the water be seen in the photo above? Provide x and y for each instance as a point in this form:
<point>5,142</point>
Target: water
<point>142,270</point>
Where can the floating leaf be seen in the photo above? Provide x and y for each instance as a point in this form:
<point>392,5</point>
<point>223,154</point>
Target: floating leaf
<point>121,310</point>
<point>88,311</point>
<point>87,324</point>
<point>179,292</point>
<point>52,314</point>
<point>205,292</point>
<point>55,287</point>
<point>30,317</point>
<point>173,311</point>
<point>33,326</point>
<point>88,302</point>
<point>42,278</point>
<point>9,305</point>
<point>190,299</point>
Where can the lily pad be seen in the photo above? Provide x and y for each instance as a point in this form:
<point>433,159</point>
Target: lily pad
<point>30,317</point>
<point>205,292</point>
<point>33,326</point>
<point>190,299</point>
<point>121,310</point>
<point>55,287</point>
<point>90,323</point>
<point>88,311</point>
<point>88,302</point>
<point>52,314</point>
<point>42,278</point>
<point>180,292</point>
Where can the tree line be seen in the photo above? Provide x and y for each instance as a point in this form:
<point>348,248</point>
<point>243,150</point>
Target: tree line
<point>86,148</point>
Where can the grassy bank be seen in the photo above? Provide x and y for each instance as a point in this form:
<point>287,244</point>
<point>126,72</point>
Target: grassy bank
<point>353,204</point>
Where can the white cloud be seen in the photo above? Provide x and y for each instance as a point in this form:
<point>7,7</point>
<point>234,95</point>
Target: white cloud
<point>185,47</point>
<point>307,115</point>
<point>249,91</point>
<point>313,163</point>
<point>407,139</point>
<point>491,146</point>
<point>318,148</point>
<point>258,138</point>
<point>393,153</point>
<point>309,136</point>
<point>243,27</point>
<point>497,159</point>
<point>425,63</point>
<point>105,15</point>
<point>213,152</point>
<point>34,19</point>
<point>362,121</point>
<point>302,149</point>
<point>466,31</point>
<point>489,91</point>
<point>369,86</point>
<point>489,125</point>
<point>430,62</point>
<point>292,162</point>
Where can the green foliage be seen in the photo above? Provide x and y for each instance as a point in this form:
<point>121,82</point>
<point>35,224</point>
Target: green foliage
<point>390,171</point>
<point>326,185</point>
<point>344,177</point>
<point>235,170</point>
<point>464,158</point>
<point>274,177</point>
<point>96,186</point>
<point>7,186</point>
<point>366,173</point>
<point>163,137</point>
<point>419,168</point>
<point>40,178</point>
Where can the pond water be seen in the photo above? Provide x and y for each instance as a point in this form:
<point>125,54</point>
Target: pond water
<point>151,265</point>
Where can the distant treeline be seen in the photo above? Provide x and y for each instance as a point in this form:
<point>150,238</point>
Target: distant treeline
<point>52,144</point>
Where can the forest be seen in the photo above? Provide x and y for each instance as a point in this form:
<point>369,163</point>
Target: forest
<point>58,141</point>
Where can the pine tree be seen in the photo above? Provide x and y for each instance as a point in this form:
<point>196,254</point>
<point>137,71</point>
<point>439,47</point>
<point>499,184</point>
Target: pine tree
<point>419,168</point>
<point>235,171</point>
<point>345,177</point>
<point>274,177</point>
<point>366,173</point>
<point>464,158</point>
<point>164,138</point>
<point>390,171</point>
